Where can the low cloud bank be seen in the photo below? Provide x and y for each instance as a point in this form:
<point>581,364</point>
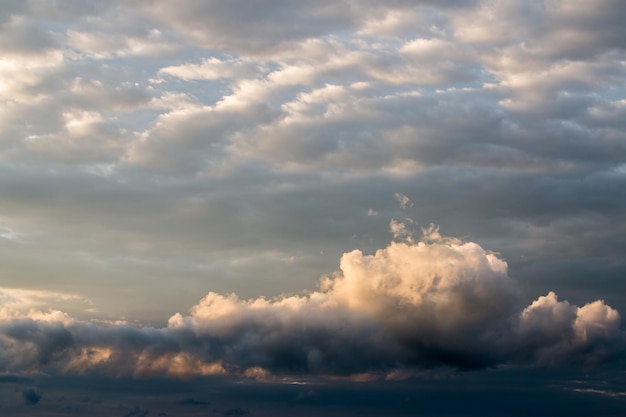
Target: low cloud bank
<point>418,303</point>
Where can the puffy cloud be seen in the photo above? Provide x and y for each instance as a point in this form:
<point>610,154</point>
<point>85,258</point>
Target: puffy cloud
<point>555,330</point>
<point>25,78</point>
<point>436,301</point>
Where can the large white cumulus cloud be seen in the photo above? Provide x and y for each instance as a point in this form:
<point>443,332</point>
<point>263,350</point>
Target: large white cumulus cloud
<point>433,302</point>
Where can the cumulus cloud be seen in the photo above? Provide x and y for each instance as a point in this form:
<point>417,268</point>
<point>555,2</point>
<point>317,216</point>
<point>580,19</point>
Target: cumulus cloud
<point>555,330</point>
<point>417,303</point>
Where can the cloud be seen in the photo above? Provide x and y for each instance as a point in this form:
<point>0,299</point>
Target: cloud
<point>415,304</point>
<point>137,412</point>
<point>214,69</point>
<point>192,401</point>
<point>31,396</point>
<point>559,327</point>
<point>107,45</point>
<point>23,36</point>
<point>403,200</point>
<point>39,304</point>
<point>259,29</point>
<point>235,412</point>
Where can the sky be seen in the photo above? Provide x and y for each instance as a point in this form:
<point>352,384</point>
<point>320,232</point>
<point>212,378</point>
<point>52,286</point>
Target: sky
<point>313,207</point>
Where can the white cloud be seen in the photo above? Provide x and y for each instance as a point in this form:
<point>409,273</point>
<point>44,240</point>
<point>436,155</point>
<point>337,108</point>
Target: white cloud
<point>214,69</point>
<point>557,331</point>
<point>22,76</point>
<point>39,305</point>
<point>85,138</point>
<point>107,45</point>
<point>405,202</point>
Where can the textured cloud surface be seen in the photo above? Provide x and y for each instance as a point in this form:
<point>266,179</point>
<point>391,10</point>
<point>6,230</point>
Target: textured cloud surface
<point>420,304</point>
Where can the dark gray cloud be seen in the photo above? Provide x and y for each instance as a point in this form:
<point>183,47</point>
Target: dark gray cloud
<point>137,412</point>
<point>235,412</point>
<point>31,396</point>
<point>194,402</point>
<point>262,25</point>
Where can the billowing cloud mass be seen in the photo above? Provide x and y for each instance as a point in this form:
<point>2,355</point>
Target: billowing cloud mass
<point>418,303</point>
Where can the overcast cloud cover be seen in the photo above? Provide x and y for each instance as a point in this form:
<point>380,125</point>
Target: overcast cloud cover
<point>282,190</point>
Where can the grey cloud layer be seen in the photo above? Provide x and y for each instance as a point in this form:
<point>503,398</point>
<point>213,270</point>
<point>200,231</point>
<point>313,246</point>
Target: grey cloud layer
<point>412,305</point>
<point>328,95</point>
